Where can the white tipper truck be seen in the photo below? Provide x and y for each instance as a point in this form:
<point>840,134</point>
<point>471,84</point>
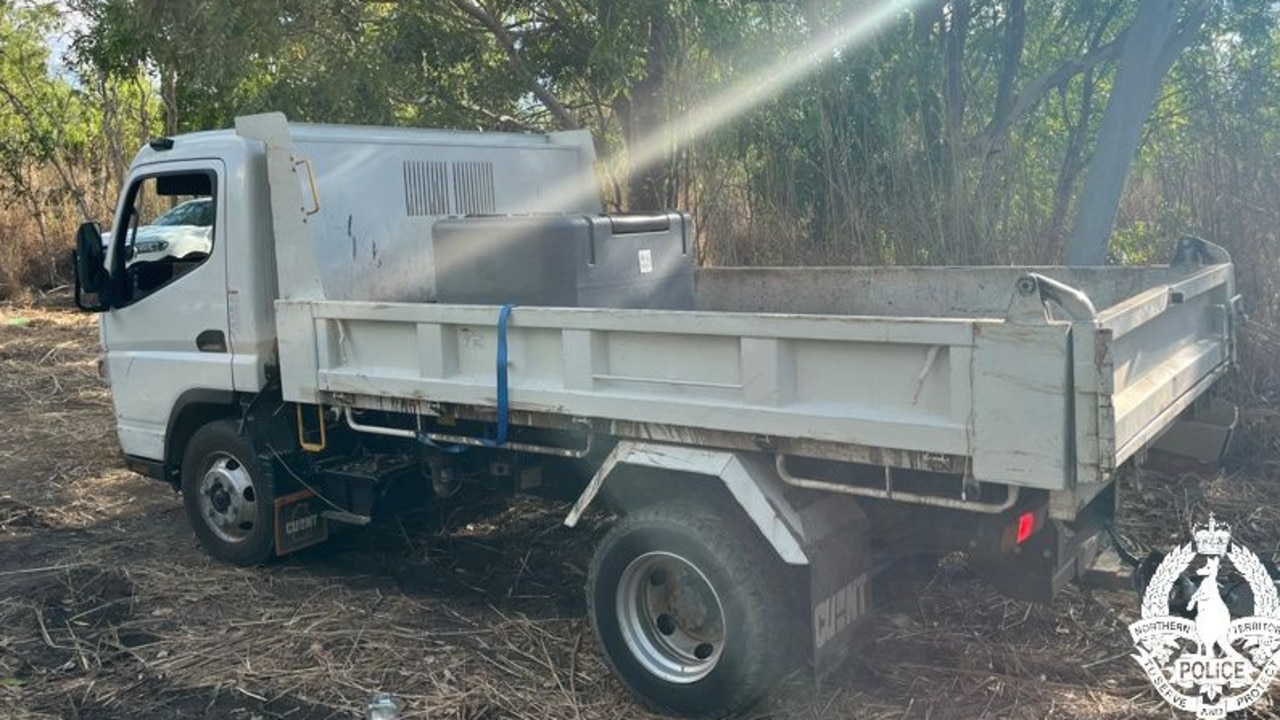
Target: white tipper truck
<point>764,436</point>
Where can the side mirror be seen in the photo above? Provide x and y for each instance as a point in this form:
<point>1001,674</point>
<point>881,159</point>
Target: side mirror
<point>90,272</point>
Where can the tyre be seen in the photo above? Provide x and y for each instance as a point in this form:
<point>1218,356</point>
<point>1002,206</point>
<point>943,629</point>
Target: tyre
<point>689,610</point>
<point>228,499</point>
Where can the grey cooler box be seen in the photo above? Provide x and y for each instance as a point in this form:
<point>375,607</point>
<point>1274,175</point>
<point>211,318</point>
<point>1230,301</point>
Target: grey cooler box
<point>607,261</point>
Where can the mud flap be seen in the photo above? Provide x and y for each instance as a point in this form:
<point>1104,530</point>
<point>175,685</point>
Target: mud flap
<point>836,539</point>
<point>299,523</point>
<point>1036,571</point>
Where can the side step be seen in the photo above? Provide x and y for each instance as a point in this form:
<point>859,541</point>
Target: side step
<point>342,516</point>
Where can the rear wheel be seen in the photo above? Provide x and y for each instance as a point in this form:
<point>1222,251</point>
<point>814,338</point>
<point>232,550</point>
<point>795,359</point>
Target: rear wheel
<point>226,495</point>
<point>689,610</point>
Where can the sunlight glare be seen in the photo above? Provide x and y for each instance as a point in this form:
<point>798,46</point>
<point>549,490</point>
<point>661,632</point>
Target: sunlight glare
<point>727,105</point>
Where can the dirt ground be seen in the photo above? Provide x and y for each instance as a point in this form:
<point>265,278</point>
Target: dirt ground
<point>109,610</point>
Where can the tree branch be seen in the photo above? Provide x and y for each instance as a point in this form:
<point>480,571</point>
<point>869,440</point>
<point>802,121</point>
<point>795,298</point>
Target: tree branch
<point>1187,32</point>
<point>33,126</point>
<point>1011,57</point>
<point>486,19</point>
<point>1031,94</point>
<point>496,120</point>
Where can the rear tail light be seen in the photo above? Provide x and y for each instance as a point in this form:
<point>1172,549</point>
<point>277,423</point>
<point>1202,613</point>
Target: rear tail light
<point>1026,527</point>
<point>1022,527</point>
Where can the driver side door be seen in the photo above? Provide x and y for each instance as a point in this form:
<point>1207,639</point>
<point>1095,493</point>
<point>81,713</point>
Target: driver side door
<point>167,331</point>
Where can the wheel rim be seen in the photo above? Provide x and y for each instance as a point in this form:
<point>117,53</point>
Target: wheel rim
<point>671,618</point>
<point>228,501</point>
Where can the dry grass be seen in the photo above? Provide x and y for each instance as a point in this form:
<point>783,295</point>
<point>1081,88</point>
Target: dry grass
<point>108,610</point>
<point>36,236</point>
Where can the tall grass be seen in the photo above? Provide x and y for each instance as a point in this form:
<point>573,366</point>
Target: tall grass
<point>38,220</point>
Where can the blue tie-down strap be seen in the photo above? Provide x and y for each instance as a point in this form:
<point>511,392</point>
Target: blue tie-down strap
<point>504,400</point>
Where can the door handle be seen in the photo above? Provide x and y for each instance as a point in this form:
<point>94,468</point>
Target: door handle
<point>211,341</point>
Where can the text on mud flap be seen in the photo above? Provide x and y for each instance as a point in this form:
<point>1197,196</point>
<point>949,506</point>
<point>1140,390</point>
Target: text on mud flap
<point>839,610</point>
<point>301,524</point>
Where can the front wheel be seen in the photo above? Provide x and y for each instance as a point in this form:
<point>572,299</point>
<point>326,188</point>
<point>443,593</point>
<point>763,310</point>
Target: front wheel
<point>689,610</point>
<point>226,495</point>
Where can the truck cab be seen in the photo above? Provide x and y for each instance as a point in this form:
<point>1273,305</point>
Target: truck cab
<point>182,333</point>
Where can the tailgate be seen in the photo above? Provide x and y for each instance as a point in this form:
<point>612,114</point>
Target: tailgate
<point>1158,351</point>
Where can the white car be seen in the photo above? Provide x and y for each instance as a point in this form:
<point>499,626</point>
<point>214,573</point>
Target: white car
<point>182,230</point>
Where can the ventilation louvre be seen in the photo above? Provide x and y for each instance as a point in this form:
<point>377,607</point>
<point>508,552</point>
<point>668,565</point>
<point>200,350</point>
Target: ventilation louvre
<point>473,187</point>
<point>426,188</point>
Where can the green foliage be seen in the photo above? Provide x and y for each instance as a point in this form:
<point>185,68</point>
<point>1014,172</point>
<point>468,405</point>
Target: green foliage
<point>62,153</point>
<point>955,131</point>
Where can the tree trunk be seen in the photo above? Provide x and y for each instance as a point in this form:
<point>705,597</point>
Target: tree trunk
<point>1152,43</point>
<point>112,130</point>
<point>957,33</point>
<point>169,96</point>
<point>927,17</point>
<point>647,189</point>
<point>1015,38</point>
<point>1072,164</point>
